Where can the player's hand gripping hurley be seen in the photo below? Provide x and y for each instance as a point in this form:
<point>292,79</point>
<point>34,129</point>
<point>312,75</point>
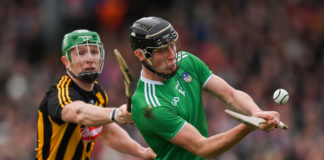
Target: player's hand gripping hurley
<point>252,121</point>
<point>128,77</point>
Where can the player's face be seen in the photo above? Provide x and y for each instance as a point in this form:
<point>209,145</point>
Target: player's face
<point>164,59</point>
<point>85,58</point>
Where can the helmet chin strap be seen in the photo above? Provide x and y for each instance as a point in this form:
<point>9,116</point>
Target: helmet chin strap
<point>160,75</point>
<point>88,77</point>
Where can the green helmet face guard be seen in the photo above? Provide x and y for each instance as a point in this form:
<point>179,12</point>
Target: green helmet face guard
<point>81,47</point>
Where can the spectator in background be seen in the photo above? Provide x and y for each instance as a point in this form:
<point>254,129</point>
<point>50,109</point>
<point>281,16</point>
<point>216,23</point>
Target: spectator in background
<point>257,46</point>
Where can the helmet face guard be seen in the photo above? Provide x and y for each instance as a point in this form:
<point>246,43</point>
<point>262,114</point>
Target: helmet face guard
<point>155,35</point>
<point>85,54</point>
<point>172,47</point>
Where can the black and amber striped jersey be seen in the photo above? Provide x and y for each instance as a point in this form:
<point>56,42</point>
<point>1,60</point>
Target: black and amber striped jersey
<point>60,140</point>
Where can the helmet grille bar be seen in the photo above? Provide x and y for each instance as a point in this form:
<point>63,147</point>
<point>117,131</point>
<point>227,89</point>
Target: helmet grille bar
<point>143,27</point>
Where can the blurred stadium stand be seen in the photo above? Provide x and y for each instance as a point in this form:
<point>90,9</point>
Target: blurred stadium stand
<point>256,46</point>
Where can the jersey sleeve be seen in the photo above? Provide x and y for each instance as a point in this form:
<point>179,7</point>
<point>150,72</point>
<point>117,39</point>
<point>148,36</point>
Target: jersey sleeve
<point>57,99</point>
<point>162,121</point>
<point>202,69</point>
<point>197,67</point>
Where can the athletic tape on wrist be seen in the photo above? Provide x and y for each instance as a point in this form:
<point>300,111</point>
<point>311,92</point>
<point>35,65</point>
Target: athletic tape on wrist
<point>113,115</point>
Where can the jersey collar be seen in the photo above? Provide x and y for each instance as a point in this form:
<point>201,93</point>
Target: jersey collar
<point>149,81</point>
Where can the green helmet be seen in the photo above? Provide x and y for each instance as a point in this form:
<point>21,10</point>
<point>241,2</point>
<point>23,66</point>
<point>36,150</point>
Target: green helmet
<point>79,38</point>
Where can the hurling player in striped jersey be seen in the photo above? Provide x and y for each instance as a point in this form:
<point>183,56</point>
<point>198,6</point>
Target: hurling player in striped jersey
<point>75,111</point>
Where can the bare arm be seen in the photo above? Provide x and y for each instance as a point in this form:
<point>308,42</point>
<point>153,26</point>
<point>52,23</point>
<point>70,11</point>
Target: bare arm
<point>241,102</point>
<point>190,139</point>
<point>90,115</point>
<point>236,99</point>
<point>117,138</point>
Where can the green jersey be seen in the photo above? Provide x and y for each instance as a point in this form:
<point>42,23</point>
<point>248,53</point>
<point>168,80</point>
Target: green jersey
<point>161,109</point>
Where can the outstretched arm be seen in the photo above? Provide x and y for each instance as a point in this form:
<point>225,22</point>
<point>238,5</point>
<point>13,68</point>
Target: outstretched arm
<point>240,101</point>
<point>211,147</point>
<point>117,138</point>
<point>90,115</point>
<point>236,99</point>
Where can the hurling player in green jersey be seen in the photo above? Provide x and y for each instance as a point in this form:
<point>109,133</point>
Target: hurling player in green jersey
<point>167,104</point>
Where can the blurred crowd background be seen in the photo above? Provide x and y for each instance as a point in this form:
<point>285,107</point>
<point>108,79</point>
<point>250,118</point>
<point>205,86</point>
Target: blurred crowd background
<point>256,46</point>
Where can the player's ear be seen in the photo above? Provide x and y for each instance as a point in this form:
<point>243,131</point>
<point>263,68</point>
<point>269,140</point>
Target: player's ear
<point>139,54</point>
<point>65,61</point>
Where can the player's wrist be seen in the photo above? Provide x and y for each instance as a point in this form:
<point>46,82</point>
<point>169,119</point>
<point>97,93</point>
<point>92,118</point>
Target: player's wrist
<point>113,115</point>
<point>146,153</point>
<point>247,128</point>
<point>256,112</point>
